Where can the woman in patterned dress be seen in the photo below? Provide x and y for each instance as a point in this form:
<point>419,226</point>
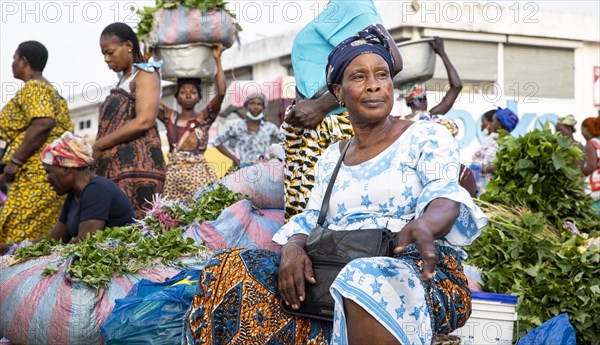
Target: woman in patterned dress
<point>396,174</point>
<point>187,132</point>
<point>33,118</point>
<point>127,148</point>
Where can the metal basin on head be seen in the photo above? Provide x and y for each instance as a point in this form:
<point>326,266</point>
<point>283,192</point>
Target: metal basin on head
<point>418,62</point>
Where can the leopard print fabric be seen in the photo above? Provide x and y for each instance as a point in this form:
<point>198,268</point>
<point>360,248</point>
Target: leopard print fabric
<point>303,147</point>
<point>186,173</point>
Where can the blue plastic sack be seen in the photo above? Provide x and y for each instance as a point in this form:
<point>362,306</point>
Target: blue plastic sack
<point>556,331</point>
<point>151,313</point>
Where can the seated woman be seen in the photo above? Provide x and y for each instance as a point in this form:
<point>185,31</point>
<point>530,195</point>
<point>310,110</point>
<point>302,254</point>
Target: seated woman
<point>93,202</point>
<point>396,174</point>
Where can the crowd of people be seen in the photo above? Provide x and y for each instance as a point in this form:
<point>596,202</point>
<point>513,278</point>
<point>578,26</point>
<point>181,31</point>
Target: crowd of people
<point>403,174</point>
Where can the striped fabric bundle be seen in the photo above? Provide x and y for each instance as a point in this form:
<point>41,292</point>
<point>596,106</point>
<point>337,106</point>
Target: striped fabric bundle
<point>36,309</point>
<point>183,25</point>
<point>262,183</point>
<point>238,226</point>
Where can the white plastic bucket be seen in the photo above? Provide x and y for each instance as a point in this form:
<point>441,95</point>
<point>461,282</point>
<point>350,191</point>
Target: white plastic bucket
<point>492,320</point>
<point>186,61</point>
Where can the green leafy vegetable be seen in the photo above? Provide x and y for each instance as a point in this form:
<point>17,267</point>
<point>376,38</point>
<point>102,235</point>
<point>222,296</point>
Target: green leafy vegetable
<point>537,170</point>
<point>525,250</point>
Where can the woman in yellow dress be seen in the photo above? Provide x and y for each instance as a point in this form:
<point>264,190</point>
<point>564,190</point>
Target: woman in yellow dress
<point>33,118</point>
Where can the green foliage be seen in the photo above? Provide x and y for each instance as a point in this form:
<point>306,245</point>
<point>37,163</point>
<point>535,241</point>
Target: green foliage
<point>156,240</point>
<point>170,215</point>
<point>147,14</point>
<point>44,247</point>
<point>537,171</point>
<point>551,271</point>
<point>210,204</point>
<point>111,251</point>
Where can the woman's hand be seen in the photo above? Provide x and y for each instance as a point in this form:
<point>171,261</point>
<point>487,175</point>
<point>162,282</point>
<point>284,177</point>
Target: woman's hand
<point>437,45</point>
<point>309,112</point>
<point>96,151</point>
<point>295,268</point>
<point>4,248</point>
<point>419,233</point>
<point>10,172</point>
<point>435,223</point>
<point>305,114</point>
<point>218,49</point>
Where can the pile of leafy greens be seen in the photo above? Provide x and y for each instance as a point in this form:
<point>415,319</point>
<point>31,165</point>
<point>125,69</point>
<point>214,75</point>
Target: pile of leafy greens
<point>155,240</point>
<point>147,14</point>
<point>537,170</point>
<point>525,250</point>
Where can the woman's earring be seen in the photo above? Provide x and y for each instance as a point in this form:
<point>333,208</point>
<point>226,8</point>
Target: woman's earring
<point>341,103</point>
<point>129,51</point>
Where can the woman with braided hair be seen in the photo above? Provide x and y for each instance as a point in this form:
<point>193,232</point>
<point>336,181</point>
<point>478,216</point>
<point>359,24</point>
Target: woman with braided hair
<point>127,148</point>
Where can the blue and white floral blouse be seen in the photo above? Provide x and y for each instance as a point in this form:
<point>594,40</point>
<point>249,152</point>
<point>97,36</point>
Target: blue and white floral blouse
<point>392,188</point>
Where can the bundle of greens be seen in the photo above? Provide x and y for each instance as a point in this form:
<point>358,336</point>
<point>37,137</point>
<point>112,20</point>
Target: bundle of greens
<point>170,215</point>
<point>155,240</point>
<point>111,251</point>
<point>550,270</point>
<point>525,249</point>
<point>147,14</point>
<point>537,171</point>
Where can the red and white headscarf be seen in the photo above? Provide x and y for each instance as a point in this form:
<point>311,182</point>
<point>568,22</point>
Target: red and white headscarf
<point>69,151</point>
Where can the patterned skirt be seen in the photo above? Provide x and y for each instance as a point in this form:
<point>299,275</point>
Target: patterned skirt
<point>186,173</point>
<point>303,147</point>
<point>237,300</point>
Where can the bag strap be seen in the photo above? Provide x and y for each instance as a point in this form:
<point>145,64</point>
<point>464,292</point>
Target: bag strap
<point>325,204</point>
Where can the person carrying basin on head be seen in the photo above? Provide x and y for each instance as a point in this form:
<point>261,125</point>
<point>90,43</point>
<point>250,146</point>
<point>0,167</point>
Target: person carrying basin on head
<point>187,132</point>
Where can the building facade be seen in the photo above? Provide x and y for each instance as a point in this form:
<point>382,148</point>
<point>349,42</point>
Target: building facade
<point>540,64</point>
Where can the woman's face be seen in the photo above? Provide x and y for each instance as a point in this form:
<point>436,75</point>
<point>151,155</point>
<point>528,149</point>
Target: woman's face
<point>59,179</point>
<point>496,125</point>
<point>18,66</point>
<point>117,55</point>
<point>367,87</point>
<point>586,133</point>
<point>564,130</point>
<point>188,96</point>
<point>485,124</point>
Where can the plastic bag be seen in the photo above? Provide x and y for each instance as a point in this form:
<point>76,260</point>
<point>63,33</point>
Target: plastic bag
<point>556,331</point>
<point>151,313</point>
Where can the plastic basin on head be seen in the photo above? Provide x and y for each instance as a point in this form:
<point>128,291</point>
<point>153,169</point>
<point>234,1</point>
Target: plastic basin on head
<point>186,61</point>
<point>418,62</point>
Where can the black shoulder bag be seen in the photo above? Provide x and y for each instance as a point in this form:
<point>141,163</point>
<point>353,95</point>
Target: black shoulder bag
<point>330,250</point>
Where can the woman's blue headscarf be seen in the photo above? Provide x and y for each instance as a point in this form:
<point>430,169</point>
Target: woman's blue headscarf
<point>507,118</point>
<point>369,40</point>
